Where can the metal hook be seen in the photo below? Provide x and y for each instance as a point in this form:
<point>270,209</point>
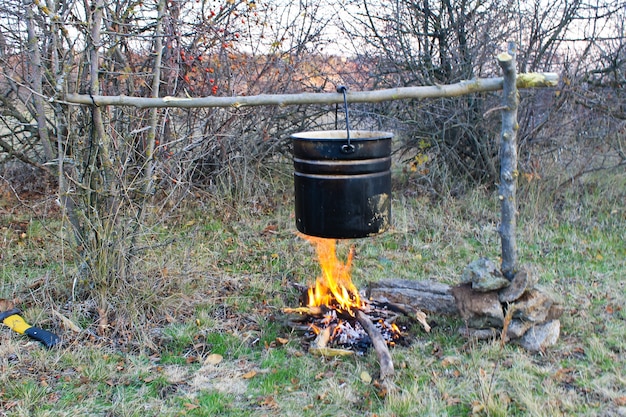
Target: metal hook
<point>348,147</point>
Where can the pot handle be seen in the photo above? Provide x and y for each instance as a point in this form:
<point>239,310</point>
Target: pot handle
<point>348,147</point>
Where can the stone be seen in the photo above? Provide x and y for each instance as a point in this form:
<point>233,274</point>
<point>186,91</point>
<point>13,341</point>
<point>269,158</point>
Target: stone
<point>521,281</point>
<point>478,334</point>
<point>479,309</point>
<point>555,312</point>
<point>484,276</point>
<point>517,328</point>
<point>541,336</point>
<point>533,306</point>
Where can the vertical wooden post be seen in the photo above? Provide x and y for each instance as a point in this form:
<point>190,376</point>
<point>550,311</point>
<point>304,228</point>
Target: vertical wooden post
<point>508,162</point>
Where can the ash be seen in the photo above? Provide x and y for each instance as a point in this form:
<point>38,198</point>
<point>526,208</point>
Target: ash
<point>351,336</point>
<point>347,333</point>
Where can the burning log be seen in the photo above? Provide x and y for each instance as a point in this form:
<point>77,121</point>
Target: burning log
<point>337,321</point>
<point>411,312</point>
<point>321,341</point>
<point>384,357</point>
<point>313,311</point>
<point>320,344</point>
<point>372,325</point>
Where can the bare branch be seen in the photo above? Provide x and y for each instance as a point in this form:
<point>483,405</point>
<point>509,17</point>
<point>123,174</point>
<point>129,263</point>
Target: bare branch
<point>530,80</point>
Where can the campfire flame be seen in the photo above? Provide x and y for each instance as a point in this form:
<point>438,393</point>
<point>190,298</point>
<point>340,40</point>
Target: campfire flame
<point>338,321</point>
<point>334,287</point>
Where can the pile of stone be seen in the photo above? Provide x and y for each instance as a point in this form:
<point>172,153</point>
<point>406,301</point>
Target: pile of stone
<point>517,311</point>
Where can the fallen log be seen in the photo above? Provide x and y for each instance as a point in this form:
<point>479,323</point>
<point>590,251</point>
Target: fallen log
<point>330,352</point>
<point>430,296</point>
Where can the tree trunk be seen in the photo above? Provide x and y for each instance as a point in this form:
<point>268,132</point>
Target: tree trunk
<point>154,112</point>
<point>37,72</point>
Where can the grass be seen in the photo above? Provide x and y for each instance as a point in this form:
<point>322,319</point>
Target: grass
<point>220,287</point>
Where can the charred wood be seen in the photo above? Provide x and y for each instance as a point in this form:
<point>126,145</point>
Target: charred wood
<point>382,352</point>
<point>411,312</point>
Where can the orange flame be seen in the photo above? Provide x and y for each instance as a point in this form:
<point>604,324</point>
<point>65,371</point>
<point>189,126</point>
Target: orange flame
<point>334,287</point>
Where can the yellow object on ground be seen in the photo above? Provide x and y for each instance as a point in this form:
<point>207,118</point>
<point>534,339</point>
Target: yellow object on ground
<point>16,323</point>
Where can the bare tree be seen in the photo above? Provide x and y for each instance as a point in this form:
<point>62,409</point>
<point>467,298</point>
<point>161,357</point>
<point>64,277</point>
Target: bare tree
<point>575,130</point>
<point>113,165</point>
<point>428,42</point>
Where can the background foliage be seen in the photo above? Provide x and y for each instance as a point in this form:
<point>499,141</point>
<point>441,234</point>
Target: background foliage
<point>120,173</point>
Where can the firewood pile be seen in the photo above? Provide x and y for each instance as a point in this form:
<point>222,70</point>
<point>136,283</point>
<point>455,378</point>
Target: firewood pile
<point>331,332</point>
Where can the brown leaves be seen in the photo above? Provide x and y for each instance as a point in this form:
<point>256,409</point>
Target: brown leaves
<point>191,406</point>
<point>270,230</point>
<point>610,308</point>
<point>564,376</point>
<point>450,400</point>
<point>6,304</point>
<point>213,359</point>
<point>620,401</point>
<point>249,374</point>
<point>282,340</point>
<point>268,402</point>
<point>437,351</point>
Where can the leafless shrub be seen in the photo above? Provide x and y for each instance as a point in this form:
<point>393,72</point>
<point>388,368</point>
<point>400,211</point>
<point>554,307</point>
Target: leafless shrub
<point>408,42</point>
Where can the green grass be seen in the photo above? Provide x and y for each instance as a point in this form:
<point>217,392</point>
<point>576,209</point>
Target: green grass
<point>220,286</point>
<point>213,404</point>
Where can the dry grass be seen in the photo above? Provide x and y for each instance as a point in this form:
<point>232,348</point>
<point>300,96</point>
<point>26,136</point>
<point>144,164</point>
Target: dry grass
<point>219,287</point>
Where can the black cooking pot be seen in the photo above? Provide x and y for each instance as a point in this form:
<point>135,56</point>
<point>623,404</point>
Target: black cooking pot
<point>342,184</point>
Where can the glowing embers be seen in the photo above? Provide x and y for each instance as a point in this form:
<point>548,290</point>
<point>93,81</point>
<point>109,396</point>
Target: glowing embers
<point>335,334</point>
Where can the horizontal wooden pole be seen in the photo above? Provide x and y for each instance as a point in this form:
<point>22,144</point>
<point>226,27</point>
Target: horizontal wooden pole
<point>527,80</point>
